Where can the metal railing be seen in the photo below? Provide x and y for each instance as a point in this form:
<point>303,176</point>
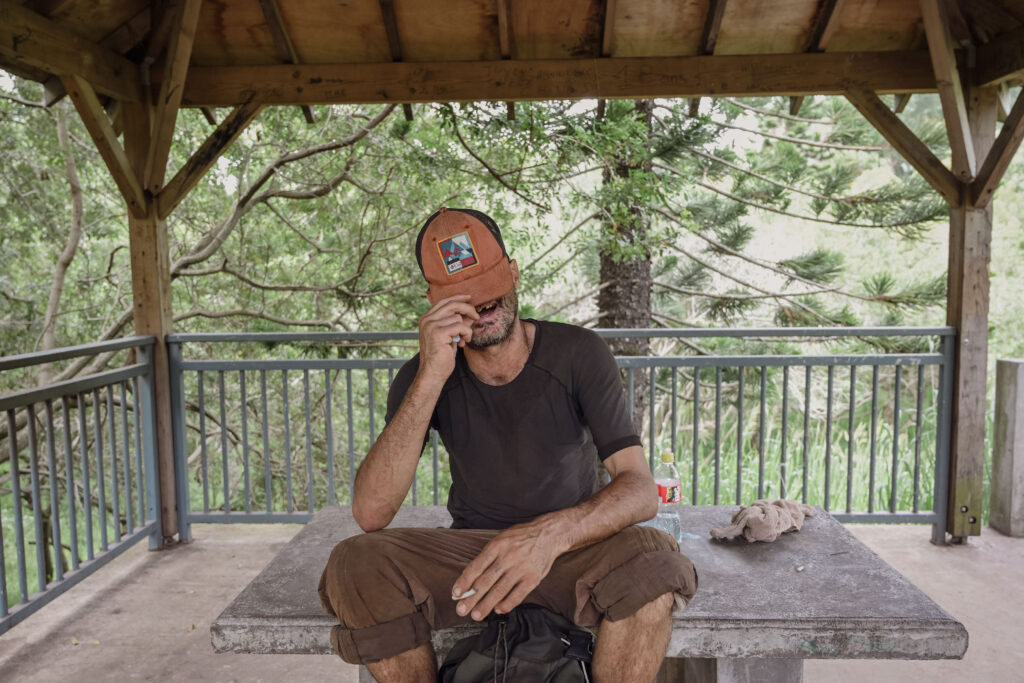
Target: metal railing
<point>865,435</point>
<point>79,483</point>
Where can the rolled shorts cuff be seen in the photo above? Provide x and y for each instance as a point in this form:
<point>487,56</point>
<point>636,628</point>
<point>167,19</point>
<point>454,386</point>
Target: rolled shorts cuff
<point>645,577</point>
<point>381,641</point>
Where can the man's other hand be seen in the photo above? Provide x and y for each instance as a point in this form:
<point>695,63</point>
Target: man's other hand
<point>509,567</point>
<point>447,319</point>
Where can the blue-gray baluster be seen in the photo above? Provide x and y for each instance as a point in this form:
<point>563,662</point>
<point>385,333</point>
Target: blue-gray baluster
<point>37,514</point>
<point>51,463</point>
<point>70,494</point>
<point>246,470</point>
<point>19,528</point>
<point>112,431</point>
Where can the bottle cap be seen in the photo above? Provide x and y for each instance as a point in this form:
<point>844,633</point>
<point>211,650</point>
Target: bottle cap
<point>668,456</point>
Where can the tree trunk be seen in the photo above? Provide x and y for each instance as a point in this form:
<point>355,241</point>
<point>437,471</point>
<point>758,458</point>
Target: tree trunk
<point>49,336</point>
<point>626,300</point>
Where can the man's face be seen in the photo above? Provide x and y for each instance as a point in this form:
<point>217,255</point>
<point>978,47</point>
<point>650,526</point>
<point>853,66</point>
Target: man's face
<point>496,320</point>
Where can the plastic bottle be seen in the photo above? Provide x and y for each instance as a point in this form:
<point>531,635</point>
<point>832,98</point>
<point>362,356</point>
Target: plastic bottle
<point>667,479</point>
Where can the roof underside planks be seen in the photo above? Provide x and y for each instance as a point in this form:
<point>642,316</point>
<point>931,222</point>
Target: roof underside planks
<point>504,50</point>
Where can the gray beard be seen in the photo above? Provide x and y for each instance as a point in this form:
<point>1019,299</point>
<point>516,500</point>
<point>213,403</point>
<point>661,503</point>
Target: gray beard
<point>508,304</point>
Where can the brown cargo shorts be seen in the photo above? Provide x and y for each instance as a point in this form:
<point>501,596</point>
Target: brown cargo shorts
<point>390,588</point>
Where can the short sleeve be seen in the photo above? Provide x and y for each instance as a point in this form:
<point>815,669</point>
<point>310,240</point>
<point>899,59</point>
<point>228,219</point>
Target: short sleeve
<point>601,396</point>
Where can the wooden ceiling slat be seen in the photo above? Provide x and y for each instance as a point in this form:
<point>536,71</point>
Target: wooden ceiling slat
<point>285,47</point>
<point>951,94</point>
<point>501,80</point>
<point>1000,156</point>
<point>31,41</point>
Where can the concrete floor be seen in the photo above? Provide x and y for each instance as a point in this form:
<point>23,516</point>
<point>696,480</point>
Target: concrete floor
<point>147,615</point>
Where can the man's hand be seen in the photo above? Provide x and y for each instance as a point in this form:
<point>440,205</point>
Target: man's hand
<point>511,565</point>
<point>448,318</point>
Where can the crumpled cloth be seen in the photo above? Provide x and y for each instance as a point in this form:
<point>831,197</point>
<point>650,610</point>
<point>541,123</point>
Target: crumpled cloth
<point>764,520</point>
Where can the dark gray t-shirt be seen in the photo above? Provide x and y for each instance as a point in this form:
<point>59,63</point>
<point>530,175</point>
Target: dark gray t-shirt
<point>528,447</point>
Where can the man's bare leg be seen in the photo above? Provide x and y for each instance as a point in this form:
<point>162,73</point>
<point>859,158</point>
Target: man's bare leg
<point>631,649</point>
<point>412,666</point>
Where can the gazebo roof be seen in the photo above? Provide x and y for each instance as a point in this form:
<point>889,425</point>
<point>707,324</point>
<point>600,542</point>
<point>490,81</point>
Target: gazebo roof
<point>324,51</point>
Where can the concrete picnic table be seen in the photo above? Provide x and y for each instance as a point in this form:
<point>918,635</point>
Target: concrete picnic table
<point>759,611</point>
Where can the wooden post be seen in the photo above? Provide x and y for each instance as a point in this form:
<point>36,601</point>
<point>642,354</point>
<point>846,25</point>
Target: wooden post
<point>151,290</point>
<point>1006,500</point>
<point>970,236</point>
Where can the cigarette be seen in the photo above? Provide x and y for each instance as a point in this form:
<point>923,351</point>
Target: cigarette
<point>468,594</point>
<point>455,339</point>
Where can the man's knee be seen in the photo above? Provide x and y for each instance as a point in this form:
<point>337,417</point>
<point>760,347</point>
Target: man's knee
<point>356,561</point>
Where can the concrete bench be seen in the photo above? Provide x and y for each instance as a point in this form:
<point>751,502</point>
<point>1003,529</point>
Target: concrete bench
<point>760,609</point>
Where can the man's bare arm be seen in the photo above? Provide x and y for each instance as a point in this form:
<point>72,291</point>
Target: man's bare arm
<point>387,472</point>
<point>515,561</point>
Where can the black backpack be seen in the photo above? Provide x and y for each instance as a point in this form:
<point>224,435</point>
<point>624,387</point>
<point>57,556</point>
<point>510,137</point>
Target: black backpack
<point>530,644</point>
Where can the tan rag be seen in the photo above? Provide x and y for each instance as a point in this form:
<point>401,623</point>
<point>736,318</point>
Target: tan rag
<point>764,520</point>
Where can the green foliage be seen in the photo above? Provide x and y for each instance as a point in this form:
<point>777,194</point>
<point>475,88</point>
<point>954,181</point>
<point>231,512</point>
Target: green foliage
<point>819,265</point>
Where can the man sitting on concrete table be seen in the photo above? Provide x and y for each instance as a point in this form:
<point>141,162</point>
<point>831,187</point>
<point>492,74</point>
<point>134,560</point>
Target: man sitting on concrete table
<point>522,407</point>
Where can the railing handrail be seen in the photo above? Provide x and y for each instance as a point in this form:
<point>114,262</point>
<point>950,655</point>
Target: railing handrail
<point>39,357</point>
<point>683,333</point>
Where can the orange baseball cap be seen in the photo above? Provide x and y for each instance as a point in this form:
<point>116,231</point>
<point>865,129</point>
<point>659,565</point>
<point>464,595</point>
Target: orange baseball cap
<point>460,251</point>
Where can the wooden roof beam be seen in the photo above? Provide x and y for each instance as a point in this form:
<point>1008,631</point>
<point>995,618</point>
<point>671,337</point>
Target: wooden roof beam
<point>95,119</point>
<point>906,143</point>
<point>283,42</point>
<point>505,44</point>
<point>1001,59</point>
<point>165,114</point>
<point>387,11</point>
<point>708,39</point>
<point>824,73</point>
<point>828,19</point>
<point>951,93</point>
<point>1000,156</point>
<point>205,157</point>
<point>607,41</point>
<point>33,41</point>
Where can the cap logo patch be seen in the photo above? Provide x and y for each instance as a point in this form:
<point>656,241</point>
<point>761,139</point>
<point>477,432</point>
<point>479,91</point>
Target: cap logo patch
<point>457,253</point>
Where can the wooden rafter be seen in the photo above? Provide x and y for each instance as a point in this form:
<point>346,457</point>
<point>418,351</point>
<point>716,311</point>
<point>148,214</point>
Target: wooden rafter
<point>95,119</point>
<point>906,143</point>
<point>1000,156</point>
<point>708,39</point>
<point>282,41</point>
<point>712,25</point>
<point>32,41</point>
<point>505,44</point>
<point>179,52</point>
<point>824,27</point>
<point>205,157</point>
<point>900,102</point>
<point>607,41</point>
<point>951,93</point>
<point>48,7</point>
<point>1000,59</point>
<point>387,11</point>
<point>822,73</point>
